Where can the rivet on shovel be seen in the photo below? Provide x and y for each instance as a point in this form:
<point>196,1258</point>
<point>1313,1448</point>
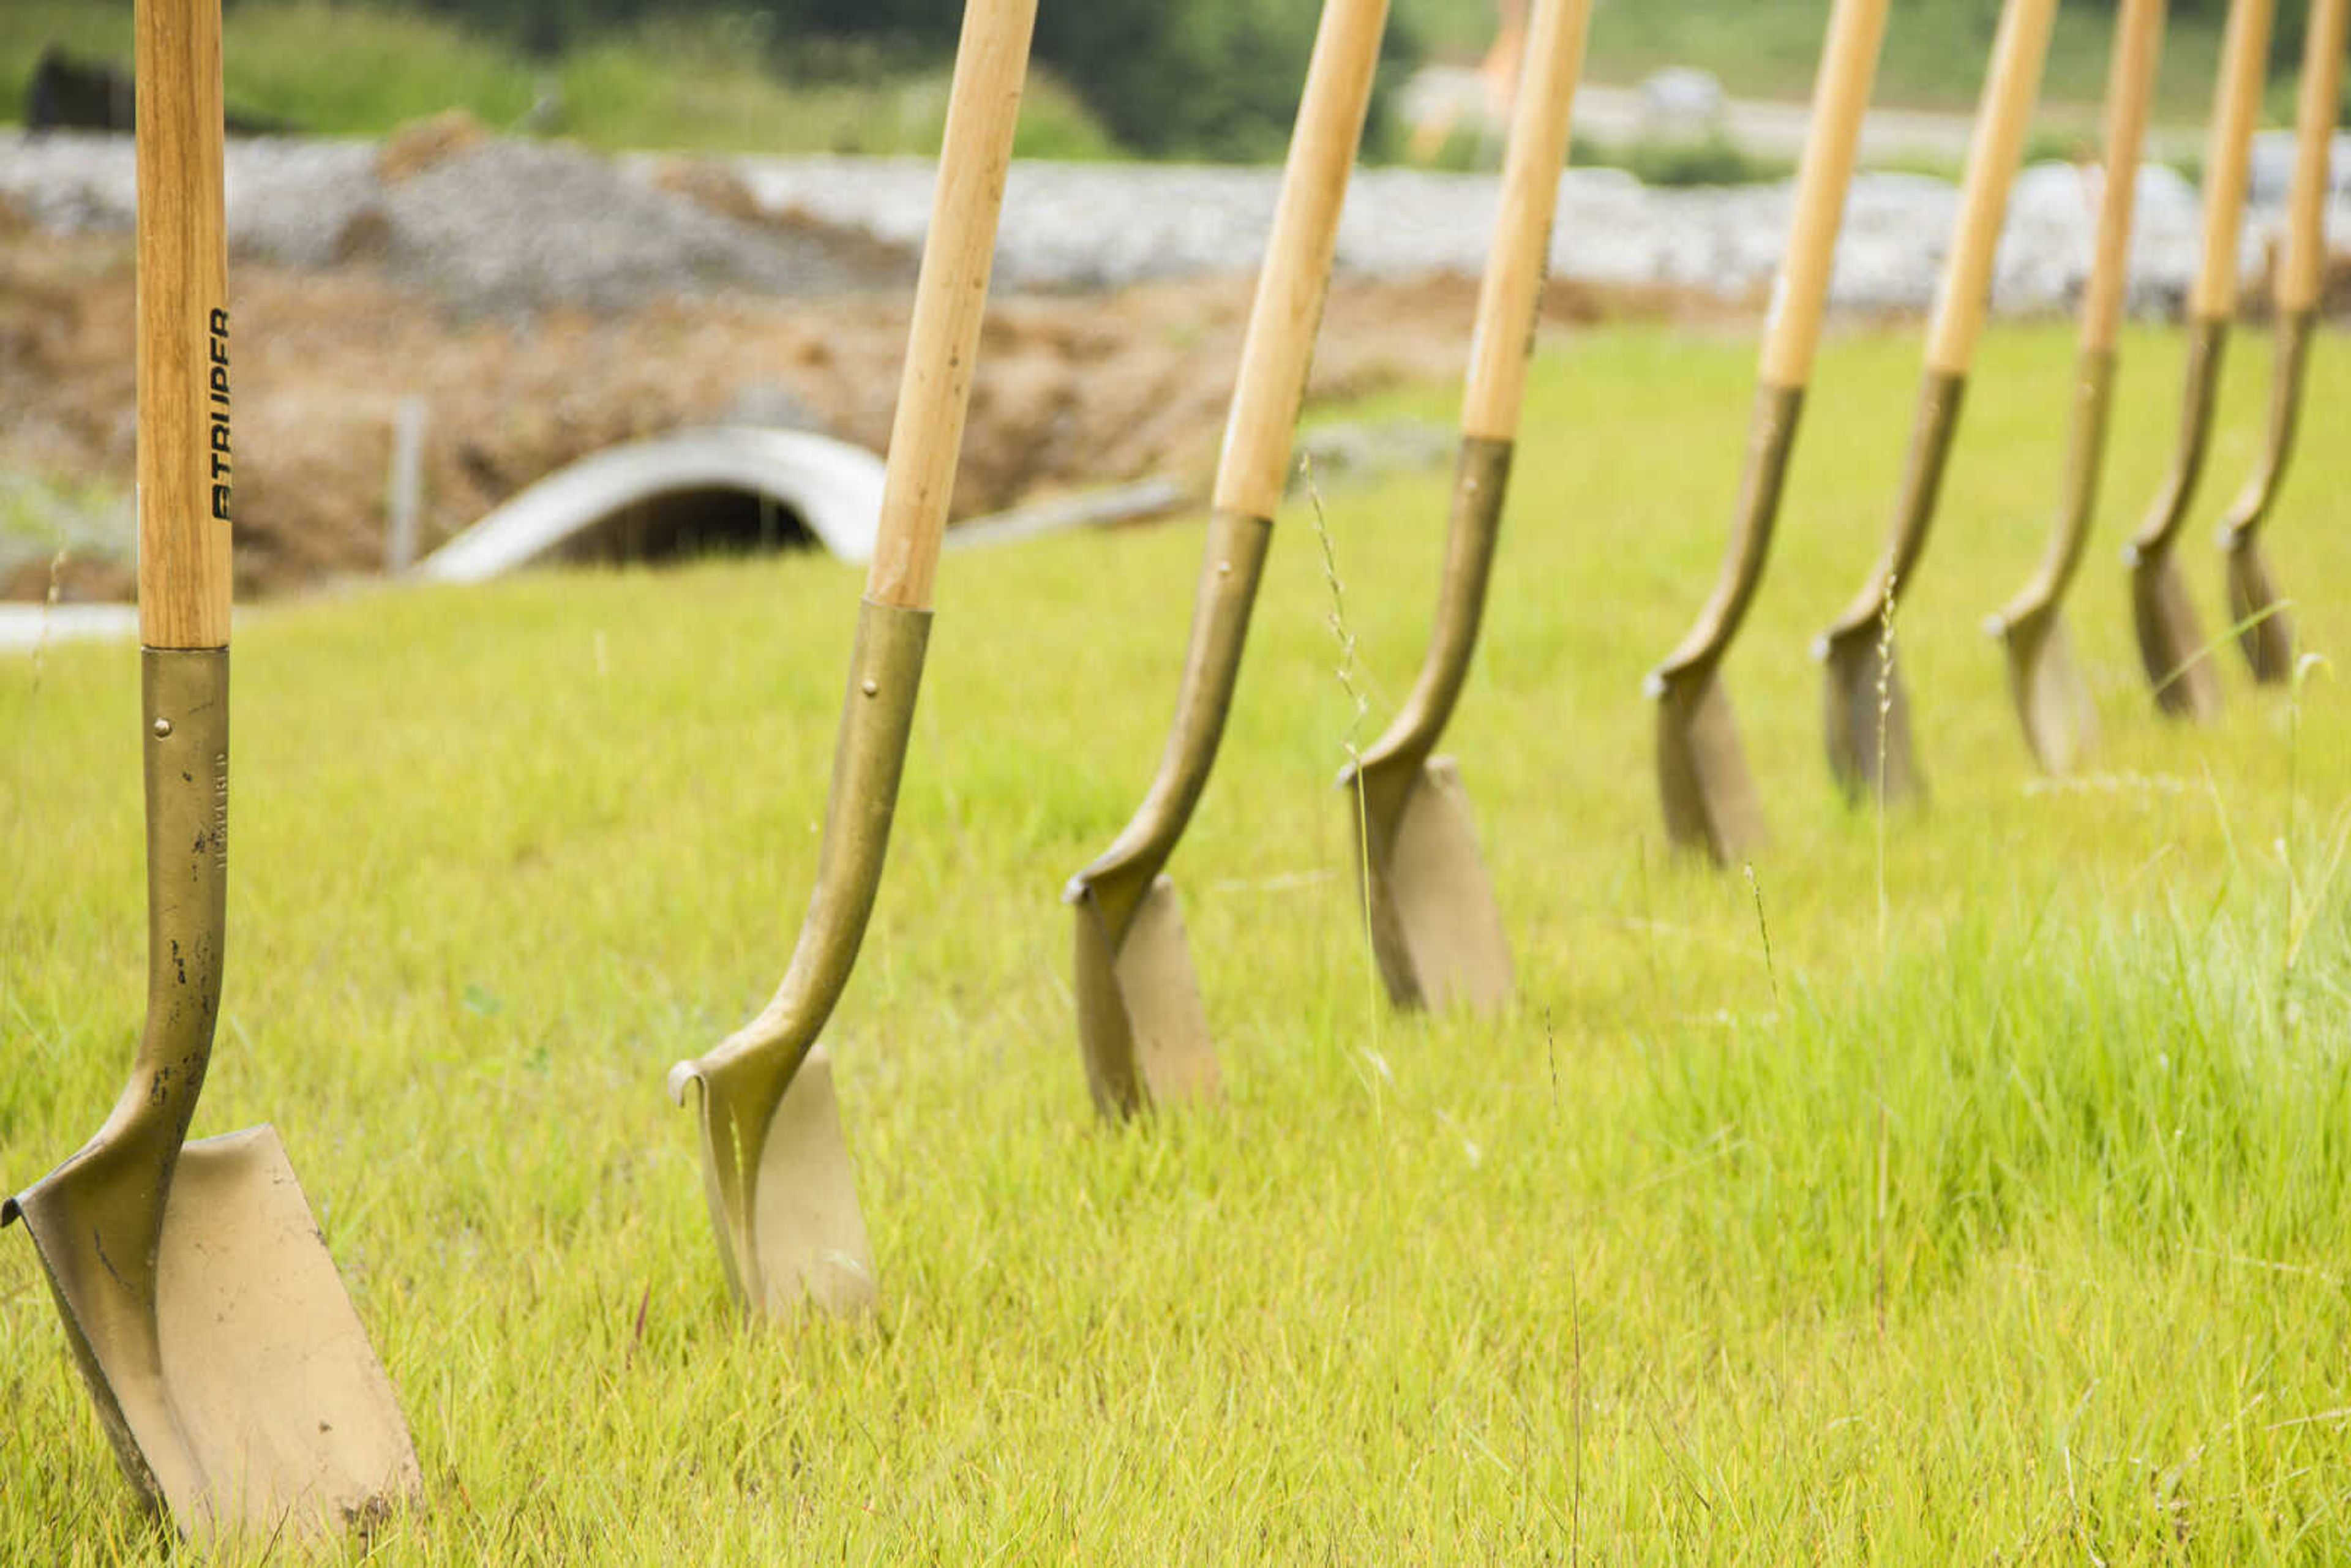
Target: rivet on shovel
<point>1141,1022</point>
<point>2170,638</point>
<point>1710,802</point>
<point>1435,931</point>
<point>230,1372</point>
<point>2265,630</point>
<point>2051,699</point>
<point>1867,711</point>
<point>783,1199</point>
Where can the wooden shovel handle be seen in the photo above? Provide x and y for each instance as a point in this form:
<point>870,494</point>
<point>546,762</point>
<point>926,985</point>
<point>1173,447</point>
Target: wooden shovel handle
<point>2020,52</point>
<point>1512,293</point>
<point>1296,280</point>
<point>1840,101</point>
<point>2130,100</point>
<point>2228,158</point>
<point>2302,272</point>
<point>951,300</point>
<point>186,470</point>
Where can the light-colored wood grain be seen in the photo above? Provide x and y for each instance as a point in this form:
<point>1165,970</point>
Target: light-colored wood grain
<point>2228,156</point>
<point>2130,100</point>
<point>1800,298</point>
<point>1295,280</point>
<point>2020,53</point>
<point>2302,272</point>
<point>951,300</point>
<point>1511,295</point>
<point>187,462</point>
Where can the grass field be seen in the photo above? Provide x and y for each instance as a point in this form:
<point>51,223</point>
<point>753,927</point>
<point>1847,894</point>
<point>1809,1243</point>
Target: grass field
<point>1983,1195</point>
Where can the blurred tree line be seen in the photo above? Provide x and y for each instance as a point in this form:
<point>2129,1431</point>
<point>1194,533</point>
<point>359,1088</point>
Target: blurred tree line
<point>1216,78</point>
<point>1211,79</point>
<point>2285,38</point>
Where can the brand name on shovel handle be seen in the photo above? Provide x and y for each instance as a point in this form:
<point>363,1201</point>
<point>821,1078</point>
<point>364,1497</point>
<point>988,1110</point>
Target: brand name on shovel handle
<point>217,406</point>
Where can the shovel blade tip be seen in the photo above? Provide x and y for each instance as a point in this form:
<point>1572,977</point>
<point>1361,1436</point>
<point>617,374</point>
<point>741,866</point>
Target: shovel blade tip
<point>286,1415</point>
<point>1436,931</point>
<point>1711,807</point>
<point>1142,1024</point>
<point>814,1252</point>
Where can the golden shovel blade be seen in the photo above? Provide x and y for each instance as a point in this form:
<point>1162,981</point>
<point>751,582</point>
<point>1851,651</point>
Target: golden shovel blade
<point>1141,1021</point>
<point>2265,630</point>
<point>1703,781</point>
<point>1436,931</point>
<point>793,1239</point>
<point>2053,701</point>
<point>251,1403</point>
<point>1869,719</point>
<point>2171,640</point>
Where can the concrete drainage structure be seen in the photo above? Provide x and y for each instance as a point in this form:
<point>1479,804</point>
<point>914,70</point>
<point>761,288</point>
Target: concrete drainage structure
<point>696,492</point>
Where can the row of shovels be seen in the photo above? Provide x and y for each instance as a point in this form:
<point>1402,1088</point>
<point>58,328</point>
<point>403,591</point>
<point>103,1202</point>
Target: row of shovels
<point>228,1366</point>
<point>1710,799</point>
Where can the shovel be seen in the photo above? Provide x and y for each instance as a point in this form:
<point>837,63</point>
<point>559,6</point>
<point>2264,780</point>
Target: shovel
<point>783,1199</point>
<point>2051,699</point>
<point>2170,641</point>
<point>1868,714</point>
<point>2265,631</point>
<point>229,1369</point>
<point>1141,1022</point>
<point>1436,932</point>
<point>1710,802</point>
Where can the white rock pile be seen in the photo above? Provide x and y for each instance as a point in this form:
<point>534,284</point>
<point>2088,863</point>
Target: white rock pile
<point>517,225</point>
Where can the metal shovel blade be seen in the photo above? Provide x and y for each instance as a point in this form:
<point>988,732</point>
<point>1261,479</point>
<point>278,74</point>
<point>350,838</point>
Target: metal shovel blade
<point>813,1248</point>
<point>1436,930</point>
<point>793,1238</point>
<point>252,1402</point>
<point>2171,641</point>
<point>1710,801</point>
<point>2053,700</point>
<point>2264,629</point>
<point>1869,718</point>
<point>1141,1021</point>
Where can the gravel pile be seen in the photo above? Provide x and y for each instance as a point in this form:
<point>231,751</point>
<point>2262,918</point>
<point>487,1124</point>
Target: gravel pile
<point>1105,225</point>
<point>502,229</point>
<point>515,226</point>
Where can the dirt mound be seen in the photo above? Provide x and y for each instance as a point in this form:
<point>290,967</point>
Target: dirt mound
<point>1071,390</point>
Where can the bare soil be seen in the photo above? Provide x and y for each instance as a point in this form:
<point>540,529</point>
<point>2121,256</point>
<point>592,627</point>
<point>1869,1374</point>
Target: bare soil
<point>1073,391</point>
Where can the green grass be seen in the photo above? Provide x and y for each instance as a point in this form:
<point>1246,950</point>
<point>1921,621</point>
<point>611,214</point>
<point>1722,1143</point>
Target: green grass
<point>2009,1223</point>
<point>1770,48</point>
<point>689,84</point>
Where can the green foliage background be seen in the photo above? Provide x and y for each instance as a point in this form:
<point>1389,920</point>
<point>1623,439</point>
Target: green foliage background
<point>1166,78</point>
<point>1216,79</point>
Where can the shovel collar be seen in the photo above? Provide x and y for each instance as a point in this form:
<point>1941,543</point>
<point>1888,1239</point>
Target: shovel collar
<point>1770,444</point>
<point>1481,481</point>
<point>2294,331</point>
<point>1940,399</point>
<point>1117,882</point>
<point>2208,343</point>
<point>744,1079</point>
<point>2094,397</point>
